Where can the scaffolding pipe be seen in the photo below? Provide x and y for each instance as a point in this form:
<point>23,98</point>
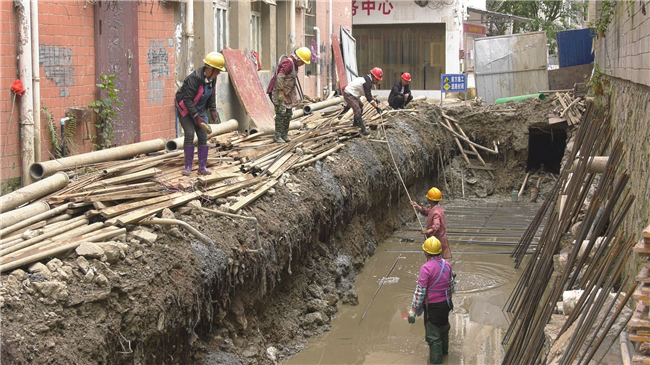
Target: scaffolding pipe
<point>319,92</point>
<point>40,169</point>
<point>252,219</point>
<point>229,126</point>
<point>26,101</point>
<point>322,104</point>
<point>36,82</point>
<point>33,219</point>
<point>175,222</point>
<point>17,215</point>
<point>34,191</point>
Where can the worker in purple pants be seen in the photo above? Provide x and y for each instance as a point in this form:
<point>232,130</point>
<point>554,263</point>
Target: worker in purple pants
<point>193,99</point>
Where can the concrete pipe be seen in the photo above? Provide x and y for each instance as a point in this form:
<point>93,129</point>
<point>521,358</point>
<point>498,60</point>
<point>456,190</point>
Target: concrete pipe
<point>20,214</point>
<point>297,113</point>
<point>33,191</point>
<point>267,130</point>
<point>229,126</point>
<point>308,109</point>
<point>40,169</point>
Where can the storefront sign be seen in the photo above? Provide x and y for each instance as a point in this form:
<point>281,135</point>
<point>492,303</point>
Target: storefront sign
<point>474,28</point>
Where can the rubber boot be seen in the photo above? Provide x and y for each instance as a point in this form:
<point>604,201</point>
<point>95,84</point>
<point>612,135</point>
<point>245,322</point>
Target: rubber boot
<point>278,133</point>
<point>444,334</point>
<point>345,110</point>
<point>434,339</point>
<point>203,160</point>
<point>189,159</point>
<point>285,132</point>
<point>355,123</point>
<point>362,125</point>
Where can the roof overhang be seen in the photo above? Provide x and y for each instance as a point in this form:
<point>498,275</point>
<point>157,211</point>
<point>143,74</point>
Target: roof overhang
<point>486,16</point>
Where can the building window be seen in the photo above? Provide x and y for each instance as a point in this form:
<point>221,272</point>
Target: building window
<point>310,34</point>
<point>220,25</point>
<point>256,23</point>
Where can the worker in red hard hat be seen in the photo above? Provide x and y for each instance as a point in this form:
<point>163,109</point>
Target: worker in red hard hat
<point>436,222</point>
<point>433,298</point>
<point>400,94</point>
<point>359,87</point>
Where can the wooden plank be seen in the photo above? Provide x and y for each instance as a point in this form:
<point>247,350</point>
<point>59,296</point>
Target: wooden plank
<point>640,359</point>
<point>136,193</point>
<point>286,166</point>
<point>249,88</point>
<point>141,213</point>
<point>277,164</point>
<point>251,197</point>
<point>642,249</point>
<point>256,152</point>
<point>122,208</point>
<point>555,120</point>
<point>225,190</point>
<point>338,60</point>
<point>475,167</point>
<point>126,178</point>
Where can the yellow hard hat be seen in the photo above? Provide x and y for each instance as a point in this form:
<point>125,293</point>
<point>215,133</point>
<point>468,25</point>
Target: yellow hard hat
<point>434,194</point>
<point>304,54</point>
<point>215,60</point>
<point>432,246</point>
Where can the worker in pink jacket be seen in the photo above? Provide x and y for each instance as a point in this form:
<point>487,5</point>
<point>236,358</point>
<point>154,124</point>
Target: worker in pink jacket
<point>436,224</point>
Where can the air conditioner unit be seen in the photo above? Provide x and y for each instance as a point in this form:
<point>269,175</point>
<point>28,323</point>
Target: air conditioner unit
<point>303,4</point>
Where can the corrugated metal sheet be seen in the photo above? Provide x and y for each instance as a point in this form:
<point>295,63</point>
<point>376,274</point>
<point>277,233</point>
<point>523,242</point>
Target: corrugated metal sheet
<point>510,65</point>
<point>574,47</point>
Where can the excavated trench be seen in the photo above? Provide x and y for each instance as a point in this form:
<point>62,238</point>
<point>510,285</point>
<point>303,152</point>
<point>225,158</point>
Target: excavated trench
<point>243,301</point>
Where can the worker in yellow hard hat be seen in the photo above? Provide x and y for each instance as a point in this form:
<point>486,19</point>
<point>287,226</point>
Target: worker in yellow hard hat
<point>432,297</point>
<point>436,223</point>
<point>282,91</point>
<point>193,99</point>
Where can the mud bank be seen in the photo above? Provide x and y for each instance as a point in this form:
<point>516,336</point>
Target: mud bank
<point>172,300</point>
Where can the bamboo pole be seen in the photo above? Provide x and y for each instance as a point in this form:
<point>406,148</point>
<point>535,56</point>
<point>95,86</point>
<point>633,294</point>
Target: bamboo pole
<point>33,219</point>
<point>29,242</point>
<point>12,217</point>
<point>64,247</point>
<point>33,191</point>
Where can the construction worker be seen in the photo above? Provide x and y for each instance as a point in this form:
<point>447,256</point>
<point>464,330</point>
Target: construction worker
<point>359,87</point>
<point>432,297</point>
<point>436,223</point>
<point>193,98</point>
<point>400,94</point>
<point>282,91</point>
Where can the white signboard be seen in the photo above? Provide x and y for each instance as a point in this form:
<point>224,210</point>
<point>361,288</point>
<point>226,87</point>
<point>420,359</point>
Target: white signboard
<point>349,52</point>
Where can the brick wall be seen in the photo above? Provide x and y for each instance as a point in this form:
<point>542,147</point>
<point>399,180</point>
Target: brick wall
<point>9,128</point>
<point>67,75</point>
<point>341,15</point>
<point>157,88</point>
<point>624,52</point>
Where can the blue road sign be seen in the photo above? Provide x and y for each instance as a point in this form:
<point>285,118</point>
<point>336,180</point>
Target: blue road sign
<point>453,83</point>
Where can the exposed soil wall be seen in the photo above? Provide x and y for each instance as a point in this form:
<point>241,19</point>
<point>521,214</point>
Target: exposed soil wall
<point>169,299</point>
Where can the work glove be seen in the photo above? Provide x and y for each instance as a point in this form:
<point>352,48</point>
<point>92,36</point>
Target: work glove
<point>378,109</point>
<point>411,318</point>
<point>215,116</point>
<point>199,121</point>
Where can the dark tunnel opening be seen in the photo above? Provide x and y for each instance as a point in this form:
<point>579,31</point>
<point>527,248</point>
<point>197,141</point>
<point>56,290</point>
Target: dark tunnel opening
<point>545,149</point>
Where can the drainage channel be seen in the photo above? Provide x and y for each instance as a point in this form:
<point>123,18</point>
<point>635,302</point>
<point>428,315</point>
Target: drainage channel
<point>485,278</point>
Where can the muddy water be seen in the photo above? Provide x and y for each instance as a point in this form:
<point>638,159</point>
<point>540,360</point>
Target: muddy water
<point>485,279</point>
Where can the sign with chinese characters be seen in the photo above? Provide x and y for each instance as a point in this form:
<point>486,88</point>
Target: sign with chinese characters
<point>453,83</point>
<point>474,28</point>
<point>368,7</point>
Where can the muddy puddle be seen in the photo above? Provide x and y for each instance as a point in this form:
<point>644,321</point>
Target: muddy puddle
<point>481,237</point>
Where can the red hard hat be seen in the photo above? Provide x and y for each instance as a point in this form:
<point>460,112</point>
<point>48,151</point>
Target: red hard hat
<point>377,73</point>
<point>406,76</point>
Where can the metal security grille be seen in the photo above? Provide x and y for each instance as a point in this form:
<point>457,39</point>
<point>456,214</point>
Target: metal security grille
<point>415,48</point>
<point>310,34</point>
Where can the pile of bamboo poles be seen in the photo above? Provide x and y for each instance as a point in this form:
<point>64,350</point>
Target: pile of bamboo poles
<point>533,300</point>
<point>106,195</point>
